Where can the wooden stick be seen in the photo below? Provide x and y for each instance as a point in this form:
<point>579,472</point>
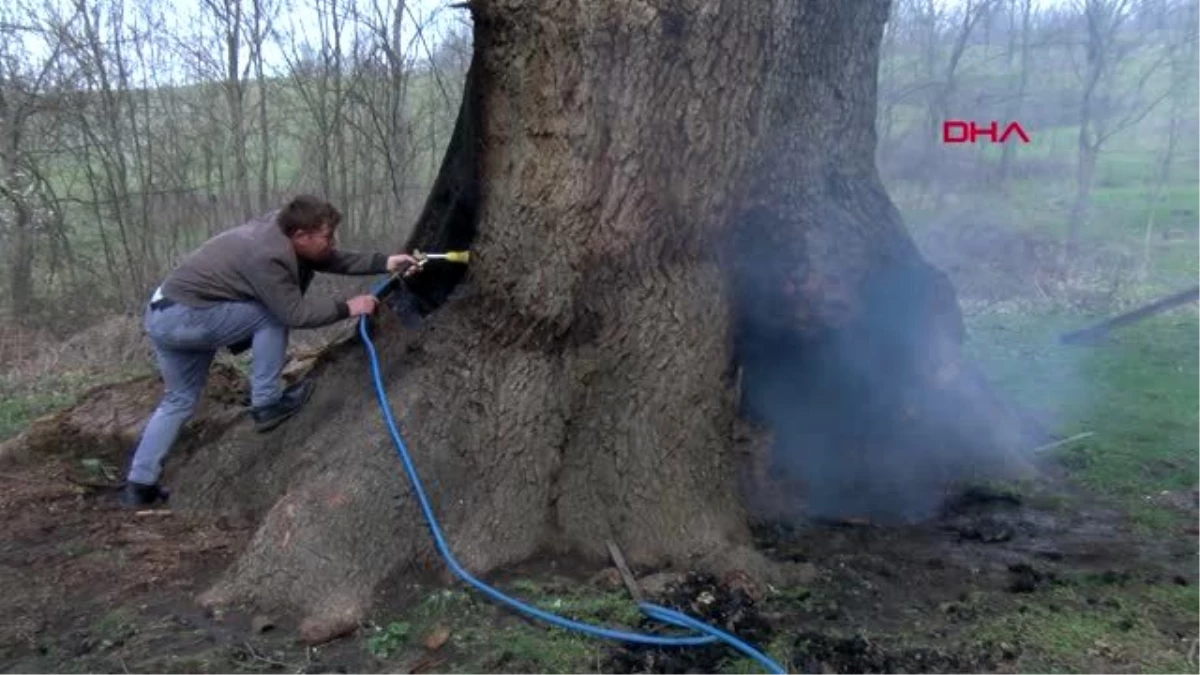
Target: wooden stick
<point>260,657</point>
<point>93,486</point>
<point>1055,444</point>
<point>1093,333</point>
<point>626,575</point>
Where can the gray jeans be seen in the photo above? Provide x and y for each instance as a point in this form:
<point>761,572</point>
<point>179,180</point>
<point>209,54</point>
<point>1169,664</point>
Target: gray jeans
<point>185,341</point>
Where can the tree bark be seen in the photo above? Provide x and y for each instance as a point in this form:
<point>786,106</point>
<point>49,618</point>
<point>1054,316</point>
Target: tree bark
<point>20,269</point>
<point>1161,178</point>
<point>15,194</point>
<point>1085,173</point>
<point>638,234</point>
<point>260,28</point>
<point>972,12</point>
<point>232,27</point>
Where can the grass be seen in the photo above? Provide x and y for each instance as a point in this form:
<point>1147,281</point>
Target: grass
<point>23,400</point>
<point>114,626</point>
<point>1076,629</point>
<point>782,644</point>
<point>1137,395</point>
<point>485,637</point>
<point>21,403</point>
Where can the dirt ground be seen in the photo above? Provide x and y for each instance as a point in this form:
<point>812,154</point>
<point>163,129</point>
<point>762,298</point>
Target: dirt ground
<point>964,593</point>
<point>87,587</point>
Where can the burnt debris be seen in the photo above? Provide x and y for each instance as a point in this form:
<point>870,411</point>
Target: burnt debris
<point>820,653</point>
<point>705,599</point>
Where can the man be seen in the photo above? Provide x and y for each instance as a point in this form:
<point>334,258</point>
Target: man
<point>244,287</point>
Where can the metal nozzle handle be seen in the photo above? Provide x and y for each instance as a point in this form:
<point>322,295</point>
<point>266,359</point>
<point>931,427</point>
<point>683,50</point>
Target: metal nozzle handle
<point>449,256</point>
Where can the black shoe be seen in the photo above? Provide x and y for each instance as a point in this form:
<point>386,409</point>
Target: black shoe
<point>140,495</point>
<point>294,397</point>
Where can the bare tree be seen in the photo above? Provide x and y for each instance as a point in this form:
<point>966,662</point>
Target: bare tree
<point>889,84</point>
<point>23,80</point>
<point>111,152</point>
<point>262,17</point>
<point>316,73</point>
<point>380,119</point>
<point>1106,106</point>
<point>1179,21</point>
<point>230,20</point>
<point>941,95</point>
<point>146,132</point>
<point>1024,10</point>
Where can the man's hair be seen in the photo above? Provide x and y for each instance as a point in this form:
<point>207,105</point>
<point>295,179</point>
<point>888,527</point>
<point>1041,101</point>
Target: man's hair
<point>306,213</point>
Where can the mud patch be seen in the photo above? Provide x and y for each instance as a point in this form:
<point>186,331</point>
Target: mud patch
<point>1027,579</point>
<point>974,588</point>
<point>820,653</point>
<point>86,586</point>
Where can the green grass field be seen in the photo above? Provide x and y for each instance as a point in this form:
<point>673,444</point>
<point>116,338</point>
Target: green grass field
<point>1136,394</point>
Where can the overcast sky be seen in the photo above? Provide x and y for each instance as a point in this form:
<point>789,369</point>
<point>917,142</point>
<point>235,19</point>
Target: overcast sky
<point>302,20</point>
<point>432,17</point>
<point>441,13</point>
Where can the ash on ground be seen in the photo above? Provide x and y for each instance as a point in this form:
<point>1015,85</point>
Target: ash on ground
<point>702,597</point>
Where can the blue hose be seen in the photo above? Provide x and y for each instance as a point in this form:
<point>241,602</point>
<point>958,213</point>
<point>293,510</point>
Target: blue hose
<point>706,634</point>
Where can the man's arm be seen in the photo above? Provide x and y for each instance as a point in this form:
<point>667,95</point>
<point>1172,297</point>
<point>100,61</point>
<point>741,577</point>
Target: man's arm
<point>275,288</point>
<point>352,263</point>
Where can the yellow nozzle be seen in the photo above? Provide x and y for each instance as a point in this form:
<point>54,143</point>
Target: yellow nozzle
<point>448,256</point>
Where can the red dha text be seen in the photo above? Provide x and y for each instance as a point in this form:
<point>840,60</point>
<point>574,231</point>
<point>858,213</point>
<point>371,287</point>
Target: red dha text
<point>968,131</point>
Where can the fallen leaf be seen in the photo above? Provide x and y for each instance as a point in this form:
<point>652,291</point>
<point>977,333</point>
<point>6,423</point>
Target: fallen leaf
<point>437,637</point>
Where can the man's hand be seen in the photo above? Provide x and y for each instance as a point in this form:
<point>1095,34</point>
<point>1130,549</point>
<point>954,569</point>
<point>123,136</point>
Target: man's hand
<point>402,261</point>
<point>362,304</point>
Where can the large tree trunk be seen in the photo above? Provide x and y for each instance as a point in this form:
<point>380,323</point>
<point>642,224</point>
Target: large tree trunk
<point>653,198</point>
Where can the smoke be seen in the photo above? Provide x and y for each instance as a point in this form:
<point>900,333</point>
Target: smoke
<point>866,419</point>
<point>827,399</point>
